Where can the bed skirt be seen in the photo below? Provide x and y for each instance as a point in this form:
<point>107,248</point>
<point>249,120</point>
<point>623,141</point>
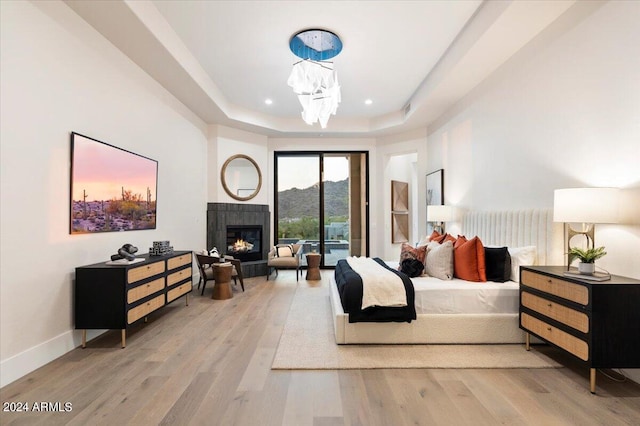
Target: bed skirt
<point>427,328</point>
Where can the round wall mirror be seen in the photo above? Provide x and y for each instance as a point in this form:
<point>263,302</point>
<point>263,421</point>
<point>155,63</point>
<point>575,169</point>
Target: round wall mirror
<point>241,177</point>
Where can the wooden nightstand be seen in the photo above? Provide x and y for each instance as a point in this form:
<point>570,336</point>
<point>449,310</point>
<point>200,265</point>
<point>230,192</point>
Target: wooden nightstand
<point>597,322</point>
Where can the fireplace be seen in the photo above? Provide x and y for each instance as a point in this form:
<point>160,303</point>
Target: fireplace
<point>244,242</point>
<point>222,216</point>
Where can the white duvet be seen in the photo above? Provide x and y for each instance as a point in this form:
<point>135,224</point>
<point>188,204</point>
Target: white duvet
<point>435,296</point>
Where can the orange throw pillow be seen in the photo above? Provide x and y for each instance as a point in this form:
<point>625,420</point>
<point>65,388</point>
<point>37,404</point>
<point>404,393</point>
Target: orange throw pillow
<point>434,235</point>
<point>444,238</point>
<point>468,259</point>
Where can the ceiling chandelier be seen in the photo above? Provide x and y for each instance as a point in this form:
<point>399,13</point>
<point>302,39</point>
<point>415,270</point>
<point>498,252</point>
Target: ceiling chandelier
<point>313,78</point>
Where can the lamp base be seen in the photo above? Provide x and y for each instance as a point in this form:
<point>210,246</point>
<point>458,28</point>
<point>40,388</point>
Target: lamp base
<point>588,230</point>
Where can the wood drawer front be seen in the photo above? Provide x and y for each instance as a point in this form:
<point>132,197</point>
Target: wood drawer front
<point>145,290</point>
<point>567,290</point>
<point>178,276</point>
<point>566,341</point>
<point>145,271</point>
<point>145,309</point>
<point>568,316</point>
<point>175,262</point>
<point>174,293</point>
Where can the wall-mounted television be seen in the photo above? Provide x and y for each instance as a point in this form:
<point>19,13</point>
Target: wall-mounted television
<point>112,189</point>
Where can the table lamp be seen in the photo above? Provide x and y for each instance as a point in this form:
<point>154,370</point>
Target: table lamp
<point>586,206</point>
<point>440,215</point>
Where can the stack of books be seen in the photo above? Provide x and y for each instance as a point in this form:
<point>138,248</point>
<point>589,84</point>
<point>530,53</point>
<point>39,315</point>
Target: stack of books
<point>596,276</point>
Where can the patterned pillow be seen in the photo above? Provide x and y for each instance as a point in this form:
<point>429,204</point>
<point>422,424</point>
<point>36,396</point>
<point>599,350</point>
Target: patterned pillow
<point>439,261</point>
<point>409,252</point>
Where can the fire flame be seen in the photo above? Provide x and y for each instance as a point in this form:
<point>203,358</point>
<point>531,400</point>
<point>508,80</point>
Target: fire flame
<point>241,245</point>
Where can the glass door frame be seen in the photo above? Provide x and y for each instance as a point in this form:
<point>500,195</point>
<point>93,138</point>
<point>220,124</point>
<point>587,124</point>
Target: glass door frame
<point>320,155</point>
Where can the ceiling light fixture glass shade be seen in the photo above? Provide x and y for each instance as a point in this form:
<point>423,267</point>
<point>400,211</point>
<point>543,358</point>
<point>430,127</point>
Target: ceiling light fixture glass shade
<point>313,78</point>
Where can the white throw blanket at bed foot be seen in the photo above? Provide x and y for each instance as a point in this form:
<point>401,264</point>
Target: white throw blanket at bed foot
<point>380,286</point>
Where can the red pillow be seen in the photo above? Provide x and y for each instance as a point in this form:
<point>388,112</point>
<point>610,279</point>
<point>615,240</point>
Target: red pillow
<point>468,259</point>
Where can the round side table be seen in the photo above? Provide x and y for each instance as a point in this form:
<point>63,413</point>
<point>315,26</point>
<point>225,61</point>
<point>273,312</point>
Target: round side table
<point>313,266</point>
<point>222,276</point>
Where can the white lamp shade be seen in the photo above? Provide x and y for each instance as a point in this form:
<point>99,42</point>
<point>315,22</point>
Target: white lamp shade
<point>440,213</point>
<point>586,205</point>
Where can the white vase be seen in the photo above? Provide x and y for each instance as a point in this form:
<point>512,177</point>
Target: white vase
<point>586,268</point>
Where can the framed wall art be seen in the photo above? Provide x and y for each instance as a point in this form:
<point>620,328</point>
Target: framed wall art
<point>399,196</point>
<point>112,189</point>
<point>399,211</point>
<point>400,227</point>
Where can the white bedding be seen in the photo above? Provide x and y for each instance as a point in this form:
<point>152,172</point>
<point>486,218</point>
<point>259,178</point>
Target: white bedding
<point>436,296</point>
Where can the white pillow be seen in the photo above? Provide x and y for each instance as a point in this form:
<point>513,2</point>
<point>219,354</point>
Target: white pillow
<point>284,251</point>
<point>439,260</point>
<point>521,256</point>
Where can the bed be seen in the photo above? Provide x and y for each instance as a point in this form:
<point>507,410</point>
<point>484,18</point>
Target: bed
<point>458,311</point>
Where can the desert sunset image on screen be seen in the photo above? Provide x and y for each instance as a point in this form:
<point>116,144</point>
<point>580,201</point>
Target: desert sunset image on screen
<point>111,189</point>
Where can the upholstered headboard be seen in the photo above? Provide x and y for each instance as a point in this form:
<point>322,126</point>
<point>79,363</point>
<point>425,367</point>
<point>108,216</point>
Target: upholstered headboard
<point>517,229</point>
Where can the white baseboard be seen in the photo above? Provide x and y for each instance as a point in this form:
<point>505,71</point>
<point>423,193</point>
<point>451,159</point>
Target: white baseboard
<point>11,369</point>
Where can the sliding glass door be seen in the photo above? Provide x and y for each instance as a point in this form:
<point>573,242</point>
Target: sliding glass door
<point>321,203</point>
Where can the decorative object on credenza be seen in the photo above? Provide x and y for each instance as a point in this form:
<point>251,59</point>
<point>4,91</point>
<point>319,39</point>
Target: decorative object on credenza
<point>587,258</point>
<point>586,206</point>
<point>127,251</point>
<point>160,248</point>
<point>112,189</point>
<point>125,255</point>
<point>435,193</point>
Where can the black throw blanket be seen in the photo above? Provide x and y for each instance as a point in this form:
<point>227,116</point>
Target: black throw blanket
<point>350,289</point>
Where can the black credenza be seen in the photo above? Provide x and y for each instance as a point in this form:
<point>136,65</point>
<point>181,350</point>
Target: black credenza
<point>117,296</point>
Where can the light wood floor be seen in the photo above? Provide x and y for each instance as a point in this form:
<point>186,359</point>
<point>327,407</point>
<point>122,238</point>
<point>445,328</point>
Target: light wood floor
<point>209,363</point>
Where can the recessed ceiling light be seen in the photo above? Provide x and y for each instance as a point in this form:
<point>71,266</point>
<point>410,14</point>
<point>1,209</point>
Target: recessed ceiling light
<point>268,101</point>
<point>368,102</point>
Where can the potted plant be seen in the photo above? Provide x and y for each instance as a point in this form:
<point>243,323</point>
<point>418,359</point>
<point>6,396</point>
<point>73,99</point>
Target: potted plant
<point>587,258</point>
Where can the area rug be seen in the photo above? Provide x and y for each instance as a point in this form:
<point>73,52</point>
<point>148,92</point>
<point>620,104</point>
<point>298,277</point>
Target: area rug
<point>308,342</point>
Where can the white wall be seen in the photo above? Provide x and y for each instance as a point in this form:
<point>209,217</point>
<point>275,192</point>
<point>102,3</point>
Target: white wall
<point>563,112</point>
<point>400,168</point>
<point>59,75</point>
<point>402,157</point>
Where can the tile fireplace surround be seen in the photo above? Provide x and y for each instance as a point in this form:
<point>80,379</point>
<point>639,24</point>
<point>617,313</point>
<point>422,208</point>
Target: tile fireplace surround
<point>221,215</point>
